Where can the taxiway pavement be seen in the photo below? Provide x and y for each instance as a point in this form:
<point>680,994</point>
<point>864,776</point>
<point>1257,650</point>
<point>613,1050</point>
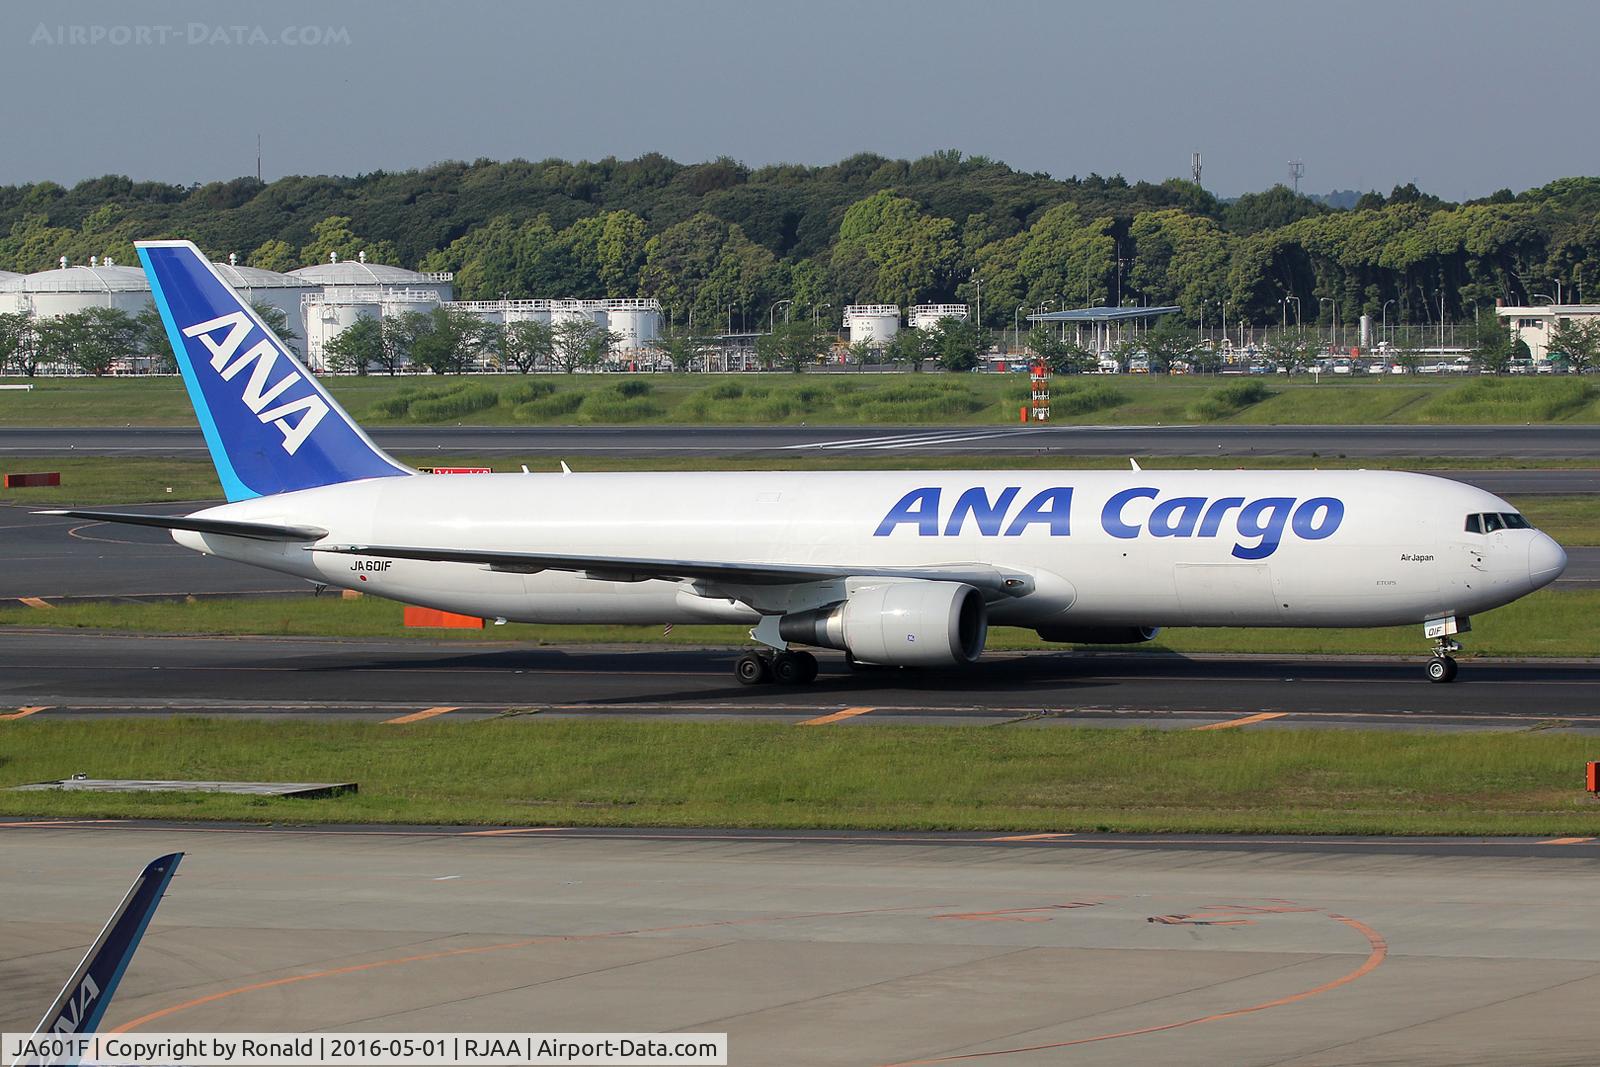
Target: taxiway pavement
<point>840,949</point>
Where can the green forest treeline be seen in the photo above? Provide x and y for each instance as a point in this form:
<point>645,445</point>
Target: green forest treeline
<point>712,235</point>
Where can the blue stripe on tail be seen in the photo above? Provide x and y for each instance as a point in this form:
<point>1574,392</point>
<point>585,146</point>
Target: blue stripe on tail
<point>268,422</point>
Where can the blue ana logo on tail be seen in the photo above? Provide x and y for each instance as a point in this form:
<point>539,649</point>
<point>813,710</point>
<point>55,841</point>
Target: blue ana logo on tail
<point>257,392</point>
<point>269,424</point>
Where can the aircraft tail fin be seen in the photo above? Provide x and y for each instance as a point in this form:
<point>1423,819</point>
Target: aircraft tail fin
<point>82,1004</point>
<point>270,425</point>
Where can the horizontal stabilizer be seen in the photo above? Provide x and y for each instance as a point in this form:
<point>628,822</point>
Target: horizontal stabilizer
<point>628,568</point>
<point>259,531</point>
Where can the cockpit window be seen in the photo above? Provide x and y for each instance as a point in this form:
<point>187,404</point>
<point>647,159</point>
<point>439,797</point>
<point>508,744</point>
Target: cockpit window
<point>1490,522</point>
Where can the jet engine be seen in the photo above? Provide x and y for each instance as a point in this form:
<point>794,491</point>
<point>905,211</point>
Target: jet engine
<point>899,624</point>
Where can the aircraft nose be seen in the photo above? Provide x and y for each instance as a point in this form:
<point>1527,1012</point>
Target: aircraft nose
<point>1546,560</point>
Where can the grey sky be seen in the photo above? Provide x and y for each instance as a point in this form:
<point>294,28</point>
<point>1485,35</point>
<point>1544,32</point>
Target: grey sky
<point>1463,97</point>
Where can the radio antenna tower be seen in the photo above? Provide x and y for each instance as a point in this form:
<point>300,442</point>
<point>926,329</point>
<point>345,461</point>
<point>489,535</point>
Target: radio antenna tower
<point>1297,170</point>
<point>1194,167</point>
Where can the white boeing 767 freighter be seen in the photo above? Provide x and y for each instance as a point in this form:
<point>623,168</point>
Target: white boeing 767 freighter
<point>895,568</point>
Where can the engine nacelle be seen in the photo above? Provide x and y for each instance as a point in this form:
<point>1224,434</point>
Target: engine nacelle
<point>1099,635</point>
<point>899,624</point>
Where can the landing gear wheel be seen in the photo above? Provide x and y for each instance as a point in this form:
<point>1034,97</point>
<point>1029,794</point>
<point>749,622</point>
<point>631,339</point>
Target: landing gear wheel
<point>1441,669</point>
<point>794,668</point>
<point>787,669</point>
<point>752,669</point>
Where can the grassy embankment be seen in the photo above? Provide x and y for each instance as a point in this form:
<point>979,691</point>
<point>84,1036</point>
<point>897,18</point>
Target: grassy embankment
<point>845,398</point>
<point>521,772</point>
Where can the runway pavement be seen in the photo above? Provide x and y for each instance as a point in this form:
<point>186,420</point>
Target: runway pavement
<point>1516,442</point>
<point>65,674</point>
<point>840,949</point>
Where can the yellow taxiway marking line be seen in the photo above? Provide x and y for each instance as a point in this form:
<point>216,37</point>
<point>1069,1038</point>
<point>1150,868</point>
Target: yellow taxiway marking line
<point>838,716</point>
<point>23,713</point>
<point>516,830</point>
<point>418,716</point>
<point>35,602</point>
<point>1566,841</point>
<point>1031,837</point>
<point>1246,721</point>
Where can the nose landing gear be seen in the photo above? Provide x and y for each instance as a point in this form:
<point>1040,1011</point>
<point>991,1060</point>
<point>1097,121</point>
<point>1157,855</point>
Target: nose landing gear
<point>1442,667</point>
<point>785,668</point>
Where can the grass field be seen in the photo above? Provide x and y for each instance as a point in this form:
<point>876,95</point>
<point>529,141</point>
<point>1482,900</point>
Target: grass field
<point>520,771</point>
<point>845,398</point>
<point>1548,623</point>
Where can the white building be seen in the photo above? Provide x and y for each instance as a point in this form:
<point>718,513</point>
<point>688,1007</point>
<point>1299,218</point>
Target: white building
<point>69,289</point>
<point>347,290</point>
<point>635,322</point>
<point>875,324</point>
<point>927,316</point>
<point>269,288</point>
<point>1532,325</point>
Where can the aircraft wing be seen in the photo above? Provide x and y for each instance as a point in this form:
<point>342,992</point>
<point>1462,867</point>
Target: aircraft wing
<point>631,569</point>
<point>258,531</point>
<point>83,1002</point>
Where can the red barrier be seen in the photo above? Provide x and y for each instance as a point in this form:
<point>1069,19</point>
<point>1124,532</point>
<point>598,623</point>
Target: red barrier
<point>456,470</point>
<point>1594,777</point>
<point>447,620</point>
<point>32,481</point>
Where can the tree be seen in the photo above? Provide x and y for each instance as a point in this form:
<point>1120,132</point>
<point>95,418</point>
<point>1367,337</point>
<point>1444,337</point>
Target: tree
<point>1492,344</point>
<point>90,341</point>
<point>581,344</point>
<point>527,344</point>
<point>274,255</point>
<point>1576,342</point>
<point>910,347</point>
<point>452,340</point>
<point>1166,343</point>
<point>956,343</point>
<point>794,345</point>
<point>333,236</point>
<point>151,340</point>
<point>357,347</point>
<point>18,350</point>
<point>400,334</point>
<point>1291,350</point>
<point>685,349</point>
<point>860,352</point>
<point>1063,356</point>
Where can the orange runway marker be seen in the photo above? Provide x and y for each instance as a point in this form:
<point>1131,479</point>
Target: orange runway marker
<point>23,713</point>
<point>838,716</point>
<point>1031,837</point>
<point>36,602</point>
<point>418,716</point>
<point>1246,721</point>
<point>516,830</point>
<point>1566,841</point>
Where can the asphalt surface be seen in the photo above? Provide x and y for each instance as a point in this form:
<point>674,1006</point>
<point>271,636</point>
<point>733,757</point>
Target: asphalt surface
<point>1518,442</point>
<point>67,674</point>
<point>55,558</point>
<point>839,949</point>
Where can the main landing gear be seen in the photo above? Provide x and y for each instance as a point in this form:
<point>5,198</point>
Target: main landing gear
<point>785,668</point>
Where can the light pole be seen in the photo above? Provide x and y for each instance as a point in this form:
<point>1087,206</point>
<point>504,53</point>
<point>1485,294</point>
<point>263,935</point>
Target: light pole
<point>773,315</point>
<point>1333,338</point>
<point>1296,300</point>
<point>1016,329</point>
<point>978,315</point>
<point>1385,329</point>
<point>816,312</point>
